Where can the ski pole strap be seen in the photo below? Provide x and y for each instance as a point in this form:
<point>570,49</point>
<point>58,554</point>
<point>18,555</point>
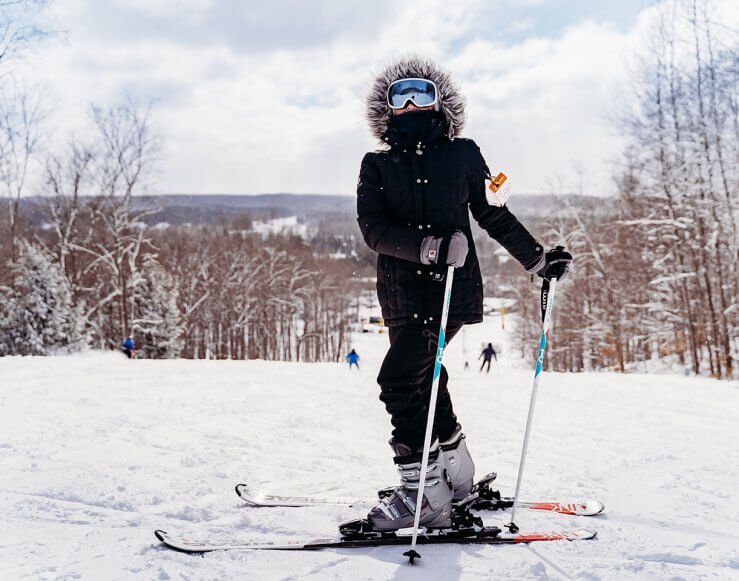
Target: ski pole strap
<point>544,297</point>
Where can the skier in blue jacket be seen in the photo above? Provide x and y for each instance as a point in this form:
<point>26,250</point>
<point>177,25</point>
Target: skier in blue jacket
<point>128,347</point>
<point>353,359</point>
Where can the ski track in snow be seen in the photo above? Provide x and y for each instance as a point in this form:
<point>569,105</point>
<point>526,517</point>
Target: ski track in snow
<point>97,451</point>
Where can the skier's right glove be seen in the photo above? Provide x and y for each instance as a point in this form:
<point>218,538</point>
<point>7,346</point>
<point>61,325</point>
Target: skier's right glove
<point>456,253</point>
<point>556,264</point>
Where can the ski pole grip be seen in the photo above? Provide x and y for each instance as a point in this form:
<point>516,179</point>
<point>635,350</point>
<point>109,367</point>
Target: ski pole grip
<point>561,249</point>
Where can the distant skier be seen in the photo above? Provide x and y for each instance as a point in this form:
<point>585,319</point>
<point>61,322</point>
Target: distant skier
<point>488,353</point>
<point>413,203</point>
<point>128,347</point>
<point>353,359</point>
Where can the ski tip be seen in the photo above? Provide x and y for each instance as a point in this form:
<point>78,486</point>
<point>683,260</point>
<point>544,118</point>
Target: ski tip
<point>178,543</point>
<point>243,492</point>
<point>587,508</point>
<point>583,535</point>
<point>590,508</point>
<point>412,556</point>
<point>575,535</point>
<point>584,508</point>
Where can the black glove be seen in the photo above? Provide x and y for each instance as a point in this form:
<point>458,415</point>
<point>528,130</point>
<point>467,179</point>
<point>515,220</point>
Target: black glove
<point>456,252</point>
<point>556,264</point>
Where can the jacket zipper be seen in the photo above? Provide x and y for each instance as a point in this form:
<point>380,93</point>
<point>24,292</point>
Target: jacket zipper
<point>419,207</point>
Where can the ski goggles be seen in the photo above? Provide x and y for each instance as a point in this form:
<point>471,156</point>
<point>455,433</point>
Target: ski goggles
<point>420,92</point>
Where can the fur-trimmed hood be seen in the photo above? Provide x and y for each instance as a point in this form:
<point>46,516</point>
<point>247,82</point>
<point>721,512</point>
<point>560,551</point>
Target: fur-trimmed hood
<point>452,101</point>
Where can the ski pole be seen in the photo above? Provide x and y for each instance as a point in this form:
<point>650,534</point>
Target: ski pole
<point>549,297</point>
<point>412,554</point>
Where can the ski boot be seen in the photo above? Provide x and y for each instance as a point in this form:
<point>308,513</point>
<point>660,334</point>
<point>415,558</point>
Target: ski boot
<point>458,463</point>
<point>398,508</point>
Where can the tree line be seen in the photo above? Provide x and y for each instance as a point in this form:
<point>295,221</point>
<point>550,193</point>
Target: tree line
<point>97,272</point>
<point>656,278</point>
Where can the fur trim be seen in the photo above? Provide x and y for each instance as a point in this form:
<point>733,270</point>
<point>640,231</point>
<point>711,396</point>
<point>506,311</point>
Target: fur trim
<point>452,101</point>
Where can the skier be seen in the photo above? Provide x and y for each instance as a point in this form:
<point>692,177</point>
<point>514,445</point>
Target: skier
<point>488,353</point>
<point>353,359</point>
<point>413,202</point>
<point>128,347</point>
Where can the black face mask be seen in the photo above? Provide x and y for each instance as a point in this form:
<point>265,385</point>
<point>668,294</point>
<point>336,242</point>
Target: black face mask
<point>409,128</point>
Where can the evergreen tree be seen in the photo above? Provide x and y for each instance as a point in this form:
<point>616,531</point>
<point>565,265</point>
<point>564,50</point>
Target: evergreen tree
<point>157,321</point>
<point>38,316</point>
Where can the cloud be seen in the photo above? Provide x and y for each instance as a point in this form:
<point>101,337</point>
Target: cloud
<point>256,26</point>
<point>268,96</point>
<point>521,25</point>
<point>541,107</point>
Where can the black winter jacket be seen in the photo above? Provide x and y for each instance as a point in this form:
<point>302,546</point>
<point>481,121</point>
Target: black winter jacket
<point>406,194</point>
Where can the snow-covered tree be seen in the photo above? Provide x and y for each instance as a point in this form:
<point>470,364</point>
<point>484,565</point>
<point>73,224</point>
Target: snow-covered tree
<point>656,276</point>
<point>101,234</point>
<point>38,316</point>
<point>157,322</point>
<point>683,201</point>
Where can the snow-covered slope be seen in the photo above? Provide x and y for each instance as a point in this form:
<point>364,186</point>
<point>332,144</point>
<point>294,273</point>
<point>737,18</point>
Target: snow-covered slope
<point>97,451</point>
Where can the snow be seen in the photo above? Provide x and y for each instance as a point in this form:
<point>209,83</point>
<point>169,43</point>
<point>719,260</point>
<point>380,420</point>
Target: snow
<point>288,225</point>
<point>492,304</point>
<point>98,451</point>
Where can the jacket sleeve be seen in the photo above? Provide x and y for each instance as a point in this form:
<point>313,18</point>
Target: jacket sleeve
<point>500,224</point>
<point>380,234</point>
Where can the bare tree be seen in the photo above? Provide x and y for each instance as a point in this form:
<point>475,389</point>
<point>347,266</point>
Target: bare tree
<point>17,30</point>
<point>21,117</point>
<point>101,233</point>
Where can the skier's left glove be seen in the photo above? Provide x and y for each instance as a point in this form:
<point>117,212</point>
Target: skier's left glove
<point>556,264</point>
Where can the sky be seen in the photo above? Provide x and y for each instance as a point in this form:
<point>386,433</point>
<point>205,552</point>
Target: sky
<point>268,95</point>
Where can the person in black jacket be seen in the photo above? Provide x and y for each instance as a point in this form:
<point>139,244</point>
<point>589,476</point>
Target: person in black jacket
<point>414,199</point>
<point>488,353</point>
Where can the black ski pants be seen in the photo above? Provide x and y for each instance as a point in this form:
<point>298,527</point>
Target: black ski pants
<point>405,382</point>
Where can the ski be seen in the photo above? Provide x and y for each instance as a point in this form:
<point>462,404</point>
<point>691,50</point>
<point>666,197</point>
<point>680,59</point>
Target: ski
<point>486,536</point>
<point>483,497</point>
<point>586,508</point>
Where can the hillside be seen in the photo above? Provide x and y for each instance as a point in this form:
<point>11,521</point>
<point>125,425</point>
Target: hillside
<point>98,451</point>
<point>213,208</point>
